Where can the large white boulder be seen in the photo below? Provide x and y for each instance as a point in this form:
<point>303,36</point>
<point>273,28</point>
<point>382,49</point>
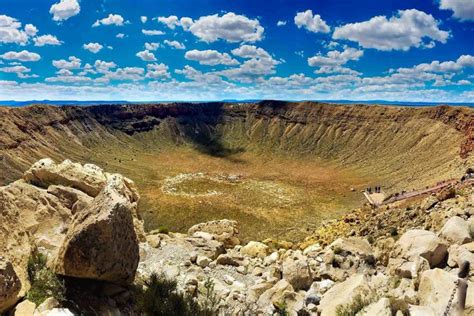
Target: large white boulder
<point>255,249</point>
<point>456,231</point>
<point>297,272</point>
<point>419,242</point>
<point>224,230</point>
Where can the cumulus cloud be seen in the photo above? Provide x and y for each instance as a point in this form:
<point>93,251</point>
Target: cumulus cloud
<point>335,58</point>
<point>143,19</point>
<point>157,71</point>
<point>146,55</point>
<point>409,28</point>
<point>47,40</point>
<point>174,44</point>
<point>250,51</point>
<point>313,23</point>
<point>127,73</point>
<point>229,27</point>
<point>186,23</point>
<point>112,19</point>
<point>20,71</point>
<point>72,63</point>
<point>93,47</point>
<point>462,9</point>
<point>152,46</point>
<point>210,57</point>
<point>281,23</point>
<point>172,21</point>
<point>152,32</point>
<point>24,55</point>
<point>120,35</point>
<point>64,9</point>
<point>463,62</point>
<point>30,30</point>
<point>11,32</point>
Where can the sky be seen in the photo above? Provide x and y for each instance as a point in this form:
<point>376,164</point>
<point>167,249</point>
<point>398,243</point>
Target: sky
<point>170,50</point>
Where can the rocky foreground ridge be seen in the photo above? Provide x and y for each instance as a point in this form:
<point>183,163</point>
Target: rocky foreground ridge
<point>85,222</point>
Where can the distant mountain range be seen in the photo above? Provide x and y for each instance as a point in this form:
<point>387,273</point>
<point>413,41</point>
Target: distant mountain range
<point>98,102</point>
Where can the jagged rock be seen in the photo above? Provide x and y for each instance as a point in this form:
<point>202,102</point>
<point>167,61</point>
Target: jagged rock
<point>101,243</point>
<point>10,285</point>
<point>379,308</point>
<point>421,311</point>
<point>225,231</point>
<point>226,259</point>
<point>208,248</point>
<point>352,245</point>
<point>73,199</point>
<point>436,287</point>
<point>418,242</point>
<point>203,261</point>
<point>456,231</point>
<point>408,269</point>
<point>343,293</point>
<point>429,202</point>
<point>404,292</point>
<point>281,293</point>
<point>312,250</point>
<point>88,178</point>
<point>297,272</point>
<point>255,249</point>
<point>383,248</point>
<point>459,254</point>
<point>446,193</point>
<point>25,308</point>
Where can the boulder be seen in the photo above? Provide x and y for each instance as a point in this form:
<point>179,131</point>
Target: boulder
<point>429,202</point>
<point>225,231</point>
<point>312,250</point>
<point>456,231</point>
<point>459,254</point>
<point>73,199</point>
<point>408,269</point>
<point>297,272</point>
<point>89,178</point>
<point>436,288</point>
<point>415,310</point>
<point>282,293</point>
<point>379,308</point>
<point>10,285</point>
<point>101,243</point>
<point>352,245</point>
<point>418,242</point>
<point>25,308</point>
<point>255,249</point>
<point>343,293</point>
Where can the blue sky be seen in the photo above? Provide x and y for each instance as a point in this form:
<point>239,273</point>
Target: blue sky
<point>405,50</point>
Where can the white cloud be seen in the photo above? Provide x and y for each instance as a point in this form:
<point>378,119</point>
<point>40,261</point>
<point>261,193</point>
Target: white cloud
<point>120,35</point>
<point>24,55</point>
<point>64,72</point>
<point>157,71</point>
<point>112,19</point>
<point>172,21</point>
<point>20,71</point>
<point>152,46</point>
<point>64,9</point>
<point>104,66</point>
<point>72,63</point>
<point>281,23</point>
<point>250,51</point>
<point>464,61</point>
<point>407,29</point>
<point>462,9</point>
<point>335,58</point>
<point>229,27</point>
<point>46,40</point>
<point>127,73</point>
<point>93,47</point>
<point>143,19</point>
<point>10,31</point>
<point>313,23</point>
<point>251,70</point>
<point>210,57</point>
<point>186,23</point>
<point>174,44</point>
<point>30,30</point>
<point>146,55</point>
<point>152,32</point>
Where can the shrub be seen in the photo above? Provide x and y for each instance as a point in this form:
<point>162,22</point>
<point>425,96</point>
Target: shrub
<point>44,282</point>
<point>281,309</point>
<point>393,231</point>
<point>163,230</point>
<point>158,296</point>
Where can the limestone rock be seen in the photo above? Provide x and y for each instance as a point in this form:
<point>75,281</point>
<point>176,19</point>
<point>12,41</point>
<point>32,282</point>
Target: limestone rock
<point>10,285</point>
<point>459,254</point>
<point>435,290</point>
<point>297,272</point>
<point>101,243</point>
<point>343,293</point>
<point>255,249</point>
<point>353,245</point>
<point>408,269</point>
<point>88,178</point>
<point>379,308</point>
<point>225,231</point>
<point>281,293</point>
<point>456,231</point>
<point>421,311</point>
<point>418,242</point>
<point>25,308</point>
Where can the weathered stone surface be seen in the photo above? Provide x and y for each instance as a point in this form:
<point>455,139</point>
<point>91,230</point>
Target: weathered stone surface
<point>353,245</point>
<point>408,269</point>
<point>436,287</point>
<point>73,199</point>
<point>255,249</point>
<point>281,293</point>
<point>456,231</point>
<point>379,308</point>
<point>343,293</point>
<point>421,311</point>
<point>297,272</point>
<point>101,242</point>
<point>225,231</point>
<point>88,178</point>
<point>10,285</point>
<point>459,254</point>
<point>418,242</point>
<point>25,308</point>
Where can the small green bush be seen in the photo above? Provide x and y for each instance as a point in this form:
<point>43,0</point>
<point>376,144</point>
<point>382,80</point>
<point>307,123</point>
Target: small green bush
<point>44,282</point>
<point>158,296</point>
<point>281,309</point>
<point>356,305</point>
<point>393,231</point>
<point>163,230</point>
